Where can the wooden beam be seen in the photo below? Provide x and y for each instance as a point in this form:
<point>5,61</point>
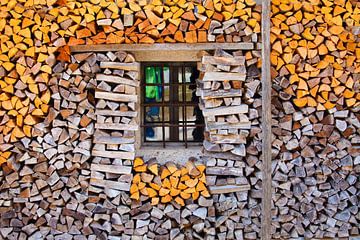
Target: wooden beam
<point>111,168</point>
<point>116,126</point>
<point>228,189</point>
<point>166,56</point>
<point>113,154</point>
<point>117,97</point>
<point>161,47</point>
<point>223,76</point>
<point>224,110</point>
<point>116,113</point>
<point>266,122</point>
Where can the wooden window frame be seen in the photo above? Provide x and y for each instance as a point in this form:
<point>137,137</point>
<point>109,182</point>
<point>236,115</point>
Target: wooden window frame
<point>173,103</point>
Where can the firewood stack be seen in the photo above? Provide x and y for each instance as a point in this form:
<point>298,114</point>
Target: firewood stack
<point>226,116</point>
<point>114,137</point>
<point>161,21</point>
<point>229,89</point>
<point>169,183</point>
<point>313,45</point>
<point>171,202</point>
<point>316,178</point>
<point>25,71</point>
<point>48,191</point>
<point>37,34</point>
<point>315,60</point>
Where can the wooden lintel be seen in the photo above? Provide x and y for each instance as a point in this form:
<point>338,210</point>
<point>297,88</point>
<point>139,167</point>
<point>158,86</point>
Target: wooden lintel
<point>162,47</point>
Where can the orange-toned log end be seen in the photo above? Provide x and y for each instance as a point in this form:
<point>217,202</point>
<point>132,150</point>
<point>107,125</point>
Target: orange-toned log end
<point>168,183</point>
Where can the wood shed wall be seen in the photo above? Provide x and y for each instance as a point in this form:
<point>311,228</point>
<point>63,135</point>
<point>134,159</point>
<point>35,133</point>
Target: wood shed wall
<point>67,132</point>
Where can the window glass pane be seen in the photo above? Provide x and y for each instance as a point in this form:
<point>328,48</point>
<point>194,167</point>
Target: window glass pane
<point>190,94</point>
<point>181,114</point>
<point>190,114</point>
<point>167,93</point>
<point>180,92</point>
<point>153,134</point>
<point>166,74</point>
<point>167,114</point>
<point>180,74</point>
<point>153,82</point>
<point>167,133</point>
<point>190,72</point>
<point>155,114</point>
<point>181,134</point>
<point>195,134</point>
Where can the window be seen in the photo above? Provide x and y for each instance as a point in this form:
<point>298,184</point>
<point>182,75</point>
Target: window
<point>170,112</point>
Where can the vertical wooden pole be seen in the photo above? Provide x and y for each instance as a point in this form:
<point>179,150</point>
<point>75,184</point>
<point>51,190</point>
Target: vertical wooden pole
<point>266,121</point>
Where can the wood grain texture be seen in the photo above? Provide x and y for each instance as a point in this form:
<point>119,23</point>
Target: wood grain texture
<point>266,122</point>
<point>161,47</point>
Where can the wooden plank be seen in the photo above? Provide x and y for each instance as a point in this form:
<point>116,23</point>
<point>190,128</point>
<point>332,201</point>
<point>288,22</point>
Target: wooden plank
<point>223,155</point>
<point>228,188</point>
<point>112,140</point>
<point>110,184</point>
<point>116,113</point>
<point>230,138</point>
<point>221,93</point>
<point>117,80</point>
<point>115,97</point>
<point>225,110</point>
<point>240,125</point>
<point>113,154</point>
<point>167,56</point>
<point>223,76</point>
<point>266,122</point>
<point>235,61</point>
<point>111,168</point>
<point>161,47</point>
<point>224,171</point>
<point>116,126</point>
<point>121,66</point>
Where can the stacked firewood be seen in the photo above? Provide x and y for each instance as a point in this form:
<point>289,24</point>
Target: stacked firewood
<point>243,29</point>
<point>171,202</point>
<point>31,32</point>
<point>47,194</point>
<point>25,72</point>
<point>114,137</point>
<point>316,169</point>
<point>226,116</point>
<point>168,221</point>
<point>315,57</point>
<point>169,183</point>
<point>161,21</point>
<point>233,144</point>
<point>314,46</point>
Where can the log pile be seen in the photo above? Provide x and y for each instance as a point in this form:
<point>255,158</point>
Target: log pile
<point>231,105</point>
<point>315,66</point>
<point>161,21</point>
<point>168,221</point>
<point>171,202</point>
<point>57,188</point>
<point>25,72</point>
<point>114,137</point>
<point>34,35</point>
<point>167,183</point>
<point>316,169</point>
<point>226,116</point>
<point>313,45</point>
<point>47,194</point>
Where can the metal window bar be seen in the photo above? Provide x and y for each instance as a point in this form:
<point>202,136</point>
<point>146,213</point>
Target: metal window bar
<point>184,123</point>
